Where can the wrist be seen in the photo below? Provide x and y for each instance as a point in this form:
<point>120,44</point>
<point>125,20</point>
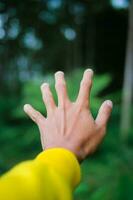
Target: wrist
<point>78,153</point>
<point>59,159</point>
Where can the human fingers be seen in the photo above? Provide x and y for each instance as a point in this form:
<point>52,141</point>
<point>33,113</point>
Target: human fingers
<point>104,113</point>
<point>85,88</point>
<point>48,97</point>
<point>36,116</point>
<point>61,89</point>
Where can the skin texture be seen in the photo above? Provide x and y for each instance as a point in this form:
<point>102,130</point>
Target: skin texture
<point>70,125</point>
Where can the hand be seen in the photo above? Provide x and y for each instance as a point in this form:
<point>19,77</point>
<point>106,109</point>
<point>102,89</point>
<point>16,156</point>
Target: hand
<point>70,125</point>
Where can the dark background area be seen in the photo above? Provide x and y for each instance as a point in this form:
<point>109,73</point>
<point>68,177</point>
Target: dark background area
<point>39,37</point>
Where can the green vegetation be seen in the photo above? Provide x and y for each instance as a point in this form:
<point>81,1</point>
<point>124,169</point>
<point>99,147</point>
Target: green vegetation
<point>37,38</point>
<point>106,175</point>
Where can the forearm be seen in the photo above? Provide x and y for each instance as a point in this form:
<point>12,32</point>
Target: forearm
<point>53,174</point>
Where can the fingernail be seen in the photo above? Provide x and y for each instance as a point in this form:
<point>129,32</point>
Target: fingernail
<point>26,107</point>
<point>59,76</point>
<point>44,85</point>
<point>109,103</point>
<point>59,73</point>
<point>90,71</point>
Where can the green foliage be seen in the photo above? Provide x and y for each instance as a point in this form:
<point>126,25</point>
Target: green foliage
<point>68,34</point>
<point>107,175</point>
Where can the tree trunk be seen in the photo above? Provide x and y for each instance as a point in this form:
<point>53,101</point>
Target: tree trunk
<point>128,81</point>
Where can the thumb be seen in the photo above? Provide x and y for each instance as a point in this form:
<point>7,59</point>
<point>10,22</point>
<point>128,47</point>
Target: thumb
<point>36,116</point>
<point>104,113</point>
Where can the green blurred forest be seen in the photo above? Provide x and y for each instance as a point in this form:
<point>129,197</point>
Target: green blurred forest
<point>39,37</point>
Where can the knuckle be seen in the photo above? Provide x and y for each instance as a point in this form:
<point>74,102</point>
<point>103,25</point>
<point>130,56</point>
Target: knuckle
<point>86,84</point>
<point>47,94</point>
<point>90,82</point>
<point>83,84</point>
<point>60,85</point>
<point>37,115</point>
<point>102,129</point>
<point>61,107</point>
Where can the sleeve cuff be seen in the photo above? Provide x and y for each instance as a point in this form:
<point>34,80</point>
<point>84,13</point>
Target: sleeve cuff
<point>64,162</point>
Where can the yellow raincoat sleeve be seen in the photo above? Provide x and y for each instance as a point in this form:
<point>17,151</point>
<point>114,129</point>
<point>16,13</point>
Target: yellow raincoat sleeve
<point>53,175</point>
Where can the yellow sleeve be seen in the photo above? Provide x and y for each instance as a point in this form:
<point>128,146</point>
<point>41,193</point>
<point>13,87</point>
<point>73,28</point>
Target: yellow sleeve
<point>52,175</point>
